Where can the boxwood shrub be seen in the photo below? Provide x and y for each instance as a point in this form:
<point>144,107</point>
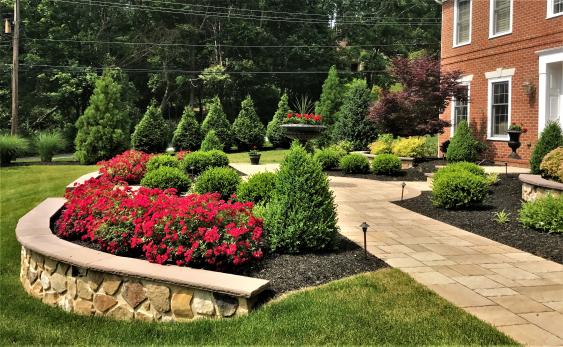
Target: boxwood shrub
<point>545,214</point>
<point>329,158</point>
<point>386,164</point>
<point>159,161</point>
<point>458,189</point>
<point>463,145</point>
<point>354,164</point>
<point>197,162</point>
<point>258,188</point>
<point>166,177</point>
<point>463,166</point>
<point>222,180</point>
<point>552,165</point>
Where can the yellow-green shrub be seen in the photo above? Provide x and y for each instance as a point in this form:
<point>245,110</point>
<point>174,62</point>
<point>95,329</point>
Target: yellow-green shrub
<point>552,164</point>
<point>383,145</point>
<point>409,147</point>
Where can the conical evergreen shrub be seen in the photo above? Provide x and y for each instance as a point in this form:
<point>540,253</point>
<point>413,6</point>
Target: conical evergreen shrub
<point>216,119</point>
<point>103,129</point>
<point>187,135</point>
<point>274,132</point>
<point>248,130</point>
<point>463,145</point>
<point>550,139</point>
<point>301,216</point>
<point>211,142</point>
<point>150,134</point>
<point>328,105</point>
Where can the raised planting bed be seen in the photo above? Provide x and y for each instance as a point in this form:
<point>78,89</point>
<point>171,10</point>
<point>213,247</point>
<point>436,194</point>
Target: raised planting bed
<point>406,162</point>
<point>535,186</point>
<point>416,173</point>
<point>506,195</point>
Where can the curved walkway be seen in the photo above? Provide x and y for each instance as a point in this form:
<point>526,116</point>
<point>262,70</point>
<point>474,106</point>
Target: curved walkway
<point>519,293</point>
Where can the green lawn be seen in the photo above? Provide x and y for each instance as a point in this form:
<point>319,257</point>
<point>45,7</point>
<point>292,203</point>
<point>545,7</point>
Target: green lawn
<point>385,307</point>
<point>268,156</point>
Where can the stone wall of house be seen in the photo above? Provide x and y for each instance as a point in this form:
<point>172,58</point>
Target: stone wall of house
<point>531,192</point>
<point>89,292</point>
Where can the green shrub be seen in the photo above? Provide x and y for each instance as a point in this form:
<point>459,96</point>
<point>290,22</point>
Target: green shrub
<point>258,188</point>
<point>463,146</point>
<point>47,144</point>
<point>199,161</point>
<point>150,135</point>
<point>216,119</point>
<point>274,132</point>
<point>550,139</point>
<point>301,216</point>
<point>463,166</point>
<point>458,189</point>
<point>187,135</point>
<point>162,160</point>
<point>413,147</point>
<point>223,180</point>
<point>166,177</point>
<point>552,164</point>
<point>354,164</point>
<point>344,145</point>
<point>211,142</point>
<point>248,131</point>
<point>545,214</point>
<point>386,164</point>
<point>329,158</point>
<point>103,129</point>
<point>430,146</point>
<point>383,145</point>
<point>11,146</point>
<point>328,105</point>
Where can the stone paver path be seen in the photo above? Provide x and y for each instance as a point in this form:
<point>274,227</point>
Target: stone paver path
<point>519,293</point>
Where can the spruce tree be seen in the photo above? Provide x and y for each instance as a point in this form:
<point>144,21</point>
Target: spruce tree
<point>301,216</point>
<point>550,139</point>
<point>353,124</point>
<point>274,132</point>
<point>247,129</point>
<point>103,129</point>
<point>150,134</point>
<point>187,135</point>
<point>216,119</point>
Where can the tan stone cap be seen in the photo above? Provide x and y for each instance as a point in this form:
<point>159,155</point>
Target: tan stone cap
<point>34,233</point>
<point>539,181</point>
<point>80,180</point>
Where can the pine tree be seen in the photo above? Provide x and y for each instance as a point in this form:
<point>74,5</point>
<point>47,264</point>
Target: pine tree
<point>150,134</point>
<point>301,216</point>
<point>103,129</point>
<point>247,129</point>
<point>187,135</point>
<point>353,124</point>
<point>550,138</point>
<point>217,120</point>
<point>274,131</point>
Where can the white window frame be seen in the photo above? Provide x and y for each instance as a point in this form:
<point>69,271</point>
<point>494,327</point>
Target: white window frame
<point>459,44</point>
<point>490,135</point>
<point>548,56</point>
<point>466,83</point>
<point>550,13</point>
<point>492,34</point>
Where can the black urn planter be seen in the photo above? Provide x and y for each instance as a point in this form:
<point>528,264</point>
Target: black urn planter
<point>514,143</point>
<point>254,158</point>
<point>303,132</point>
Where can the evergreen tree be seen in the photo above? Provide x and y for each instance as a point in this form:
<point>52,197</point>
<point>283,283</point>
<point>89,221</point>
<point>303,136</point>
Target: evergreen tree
<point>463,146</point>
<point>211,142</point>
<point>216,119</point>
<point>550,138</point>
<point>103,129</point>
<point>150,134</point>
<point>247,129</point>
<point>187,135</point>
<point>331,98</point>
<point>274,131</point>
<point>353,124</point>
<point>301,216</point>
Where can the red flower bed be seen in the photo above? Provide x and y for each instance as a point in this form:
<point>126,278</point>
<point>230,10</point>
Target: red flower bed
<point>129,166</point>
<point>181,154</point>
<point>196,230</point>
<point>298,118</point>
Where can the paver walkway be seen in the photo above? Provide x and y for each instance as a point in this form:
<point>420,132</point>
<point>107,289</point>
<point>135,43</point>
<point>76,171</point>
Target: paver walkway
<point>519,293</point>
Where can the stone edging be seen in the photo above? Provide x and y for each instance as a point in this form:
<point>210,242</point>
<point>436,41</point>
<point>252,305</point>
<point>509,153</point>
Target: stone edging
<point>80,180</point>
<point>535,186</point>
<point>91,282</point>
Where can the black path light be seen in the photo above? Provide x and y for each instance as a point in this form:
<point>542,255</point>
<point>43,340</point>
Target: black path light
<point>365,227</point>
<point>403,185</point>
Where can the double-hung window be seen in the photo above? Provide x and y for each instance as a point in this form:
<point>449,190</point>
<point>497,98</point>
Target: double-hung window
<point>499,107</point>
<point>554,8</point>
<point>460,109</point>
<point>500,17</point>
<point>462,22</point>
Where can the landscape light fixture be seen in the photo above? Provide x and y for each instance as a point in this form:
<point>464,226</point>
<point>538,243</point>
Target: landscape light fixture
<point>403,185</point>
<point>365,227</point>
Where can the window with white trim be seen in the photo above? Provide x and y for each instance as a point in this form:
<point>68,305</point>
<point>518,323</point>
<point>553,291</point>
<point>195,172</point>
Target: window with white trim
<point>554,8</point>
<point>460,109</point>
<point>500,17</point>
<point>499,107</point>
<point>462,22</point>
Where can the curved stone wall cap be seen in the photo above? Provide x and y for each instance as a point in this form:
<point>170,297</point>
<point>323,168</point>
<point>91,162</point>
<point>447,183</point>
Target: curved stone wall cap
<point>539,181</point>
<point>34,233</point>
<point>80,180</point>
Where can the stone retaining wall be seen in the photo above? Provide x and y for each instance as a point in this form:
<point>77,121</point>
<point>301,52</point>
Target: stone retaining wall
<point>534,187</point>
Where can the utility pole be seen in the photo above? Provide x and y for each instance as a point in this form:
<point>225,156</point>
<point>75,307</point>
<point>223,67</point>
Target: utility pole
<point>15,66</point>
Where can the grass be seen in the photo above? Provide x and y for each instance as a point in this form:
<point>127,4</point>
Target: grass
<point>384,307</point>
<point>268,156</point>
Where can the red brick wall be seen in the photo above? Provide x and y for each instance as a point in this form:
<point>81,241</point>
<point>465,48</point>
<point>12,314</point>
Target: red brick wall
<point>531,32</point>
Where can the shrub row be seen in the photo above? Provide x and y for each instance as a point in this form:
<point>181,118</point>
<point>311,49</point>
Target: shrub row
<point>414,147</point>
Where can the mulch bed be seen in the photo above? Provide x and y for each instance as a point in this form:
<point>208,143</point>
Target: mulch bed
<point>506,195</point>
<point>413,174</point>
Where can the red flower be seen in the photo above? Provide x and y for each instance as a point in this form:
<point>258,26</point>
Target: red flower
<point>289,115</point>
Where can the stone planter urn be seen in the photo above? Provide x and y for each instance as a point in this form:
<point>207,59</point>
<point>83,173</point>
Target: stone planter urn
<point>514,143</point>
<point>303,132</point>
<point>254,158</point>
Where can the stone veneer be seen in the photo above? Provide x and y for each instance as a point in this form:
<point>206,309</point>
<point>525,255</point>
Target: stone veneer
<point>534,186</point>
<point>89,282</point>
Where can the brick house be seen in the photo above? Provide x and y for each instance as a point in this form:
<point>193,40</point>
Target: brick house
<point>511,54</point>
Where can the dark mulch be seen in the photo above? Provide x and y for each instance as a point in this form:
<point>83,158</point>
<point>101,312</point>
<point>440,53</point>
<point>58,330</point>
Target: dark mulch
<point>506,195</point>
<point>413,174</point>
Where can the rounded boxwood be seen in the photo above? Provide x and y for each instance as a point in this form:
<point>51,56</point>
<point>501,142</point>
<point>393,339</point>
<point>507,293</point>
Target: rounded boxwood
<point>463,166</point>
<point>167,177</point>
<point>329,158</point>
<point>552,165</point>
<point>458,189</point>
<point>354,164</point>
<point>196,162</point>
<point>223,180</point>
<point>162,160</point>
<point>386,164</point>
<point>258,188</point>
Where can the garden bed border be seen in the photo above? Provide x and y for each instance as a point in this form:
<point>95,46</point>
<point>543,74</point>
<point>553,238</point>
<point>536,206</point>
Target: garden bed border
<point>535,186</point>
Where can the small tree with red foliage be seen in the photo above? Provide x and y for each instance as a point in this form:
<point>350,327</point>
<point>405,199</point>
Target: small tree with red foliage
<point>426,92</point>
